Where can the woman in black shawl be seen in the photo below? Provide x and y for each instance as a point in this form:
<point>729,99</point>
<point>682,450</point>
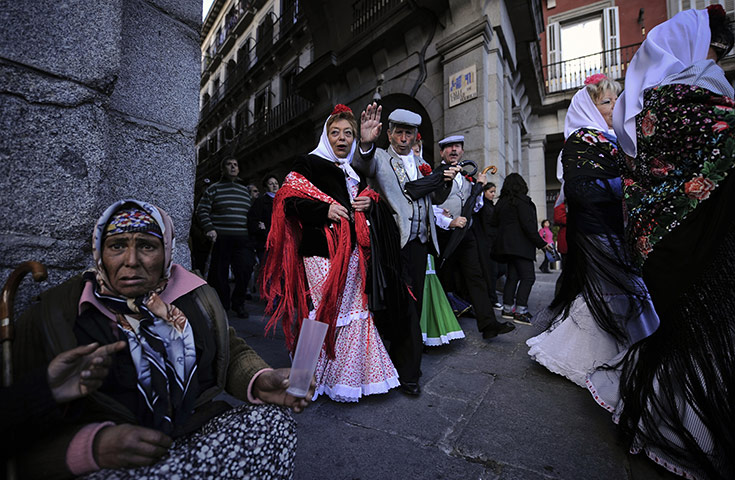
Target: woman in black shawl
<point>674,391</point>
<point>602,306</point>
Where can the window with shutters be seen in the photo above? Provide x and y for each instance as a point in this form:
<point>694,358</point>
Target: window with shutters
<point>580,43</point>
<point>676,6</point>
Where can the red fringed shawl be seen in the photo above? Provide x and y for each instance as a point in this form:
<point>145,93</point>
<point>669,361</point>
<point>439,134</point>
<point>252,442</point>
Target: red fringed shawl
<point>283,279</point>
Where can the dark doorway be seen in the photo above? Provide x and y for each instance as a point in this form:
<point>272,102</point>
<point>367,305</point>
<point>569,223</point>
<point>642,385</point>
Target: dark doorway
<point>400,100</point>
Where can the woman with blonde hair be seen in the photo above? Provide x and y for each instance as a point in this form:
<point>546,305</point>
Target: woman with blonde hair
<point>320,233</point>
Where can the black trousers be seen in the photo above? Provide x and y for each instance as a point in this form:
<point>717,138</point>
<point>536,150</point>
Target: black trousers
<point>237,251</point>
<point>519,281</point>
<point>466,261</point>
<point>406,351</point>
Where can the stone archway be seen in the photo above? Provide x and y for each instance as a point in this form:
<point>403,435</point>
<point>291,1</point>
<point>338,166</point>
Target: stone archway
<point>401,100</point>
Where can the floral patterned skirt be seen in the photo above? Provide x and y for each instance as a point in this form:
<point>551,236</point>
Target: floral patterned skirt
<point>361,365</point>
<point>249,441</point>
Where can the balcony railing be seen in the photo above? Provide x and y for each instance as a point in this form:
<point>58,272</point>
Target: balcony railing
<point>268,36</point>
<point>264,127</point>
<point>570,74</point>
<point>367,13</point>
<point>282,27</point>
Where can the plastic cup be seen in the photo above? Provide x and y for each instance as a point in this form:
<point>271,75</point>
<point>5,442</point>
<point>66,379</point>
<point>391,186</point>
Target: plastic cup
<point>311,338</point>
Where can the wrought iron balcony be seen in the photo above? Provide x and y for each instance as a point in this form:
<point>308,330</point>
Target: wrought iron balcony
<point>570,74</point>
<point>282,27</point>
<point>273,121</point>
<point>367,13</point>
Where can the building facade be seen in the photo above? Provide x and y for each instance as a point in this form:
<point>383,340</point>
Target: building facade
<point>501,73</point>
<point>273,70</point>
<point>582,38</point>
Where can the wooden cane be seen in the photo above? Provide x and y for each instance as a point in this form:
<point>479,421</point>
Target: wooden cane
<point>6,327</point>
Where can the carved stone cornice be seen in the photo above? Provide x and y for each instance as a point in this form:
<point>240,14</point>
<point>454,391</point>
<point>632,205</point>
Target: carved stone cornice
<point>474,34</point>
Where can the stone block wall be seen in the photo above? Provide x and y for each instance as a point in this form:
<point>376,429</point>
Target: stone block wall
<point>99,102</point>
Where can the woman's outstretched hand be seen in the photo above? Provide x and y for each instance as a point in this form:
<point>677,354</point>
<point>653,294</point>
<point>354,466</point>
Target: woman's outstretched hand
<point>271,385</point>
<point>80,371</point>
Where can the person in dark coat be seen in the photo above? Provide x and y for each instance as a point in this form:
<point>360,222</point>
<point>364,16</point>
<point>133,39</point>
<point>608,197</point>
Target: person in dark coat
<point>516,244</point>
<point>486,235</point>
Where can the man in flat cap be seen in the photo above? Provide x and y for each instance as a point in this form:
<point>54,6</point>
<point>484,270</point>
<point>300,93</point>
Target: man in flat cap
<point>389,171</point>
<point>465,258</point>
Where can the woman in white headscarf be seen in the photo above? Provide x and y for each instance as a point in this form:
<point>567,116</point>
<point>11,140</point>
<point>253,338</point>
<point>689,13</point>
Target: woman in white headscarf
<point>319,232</point>
<point>673,392</point>
<point>602,306</point>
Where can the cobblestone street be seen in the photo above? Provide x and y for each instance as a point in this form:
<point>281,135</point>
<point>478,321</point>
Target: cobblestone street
<point>487,411</point>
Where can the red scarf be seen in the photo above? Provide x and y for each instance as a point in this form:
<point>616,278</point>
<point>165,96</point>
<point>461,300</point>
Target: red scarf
<point>283,282</point>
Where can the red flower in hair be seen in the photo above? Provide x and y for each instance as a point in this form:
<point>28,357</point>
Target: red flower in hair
<point>339,108</point>
<point>418,137</point>
<point>716,10</point>
<point>595,79</point>
<point>425,169</point>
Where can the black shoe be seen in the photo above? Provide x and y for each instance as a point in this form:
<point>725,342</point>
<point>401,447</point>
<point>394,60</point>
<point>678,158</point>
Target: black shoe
<point>502,328</point>
<point>240,311</point>
<point>410,388</point>
<point>248,296</point>
<point>523,318</point>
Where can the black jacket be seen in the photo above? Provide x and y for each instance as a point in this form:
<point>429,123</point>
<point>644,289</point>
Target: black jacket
<point>518,236</point>
<point>261,211</point>
<point>330,179</point>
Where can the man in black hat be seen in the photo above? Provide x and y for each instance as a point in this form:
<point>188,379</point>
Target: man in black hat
<point>465,257</point>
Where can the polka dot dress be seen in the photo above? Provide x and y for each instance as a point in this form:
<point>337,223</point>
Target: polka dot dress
<point>361,365</point>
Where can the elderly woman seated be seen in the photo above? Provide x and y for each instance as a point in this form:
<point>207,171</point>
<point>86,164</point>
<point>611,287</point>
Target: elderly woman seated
<point>155,415</point>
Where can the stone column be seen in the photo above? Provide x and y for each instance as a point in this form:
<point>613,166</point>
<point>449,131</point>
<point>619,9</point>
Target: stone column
<point>99,102</point>
<point>480,118</point>
<point>534,171</point>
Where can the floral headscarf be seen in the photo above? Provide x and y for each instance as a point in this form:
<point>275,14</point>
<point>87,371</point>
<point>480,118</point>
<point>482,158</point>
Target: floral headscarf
<point>163,222</point>
<point>155,330</point>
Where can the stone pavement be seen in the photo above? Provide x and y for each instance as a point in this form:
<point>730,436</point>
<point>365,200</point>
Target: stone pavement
<point>487,411</point>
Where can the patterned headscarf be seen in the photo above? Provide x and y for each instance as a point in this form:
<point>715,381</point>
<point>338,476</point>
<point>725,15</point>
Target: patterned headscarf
<point>163,223</point>
<point>156,331</point>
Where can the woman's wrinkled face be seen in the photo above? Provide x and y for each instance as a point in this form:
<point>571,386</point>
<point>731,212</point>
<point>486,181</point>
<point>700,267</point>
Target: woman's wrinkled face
<point>133,262</point>
<point>341,136</point>
<point>605,105</point>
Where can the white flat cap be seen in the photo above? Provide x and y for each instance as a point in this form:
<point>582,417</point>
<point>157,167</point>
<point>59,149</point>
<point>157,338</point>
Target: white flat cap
<point>405,117</point>
<point>452,139</point>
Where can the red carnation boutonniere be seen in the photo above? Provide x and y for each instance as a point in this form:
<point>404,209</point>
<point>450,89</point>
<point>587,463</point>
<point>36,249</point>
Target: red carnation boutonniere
<point>425,169</point>
<point>469,178</point>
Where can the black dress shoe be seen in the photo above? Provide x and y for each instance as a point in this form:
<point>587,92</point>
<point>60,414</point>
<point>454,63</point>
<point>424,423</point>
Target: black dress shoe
<point>502,328</point>
<point>410,388</point>
<point>240,311</point>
